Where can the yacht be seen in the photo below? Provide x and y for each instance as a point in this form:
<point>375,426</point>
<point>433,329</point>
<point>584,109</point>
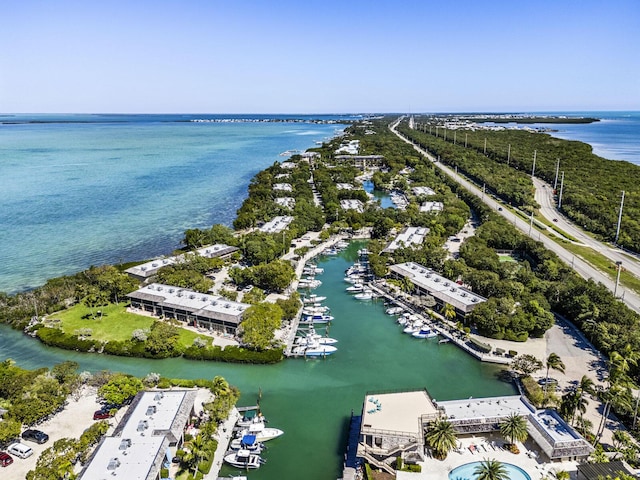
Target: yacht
<point>355,288</point>
<point>425,332</point>
<point>315,310</point>
<point>244,459</point>
<point>313,298</point>
<point>394,311</point>
<point>364,295</point>
<point>261,432</point>
<point>318,350</point>
<point>316,319</point>
<point>353,278</point>
<point>310,337</point>
<point>412,327</point>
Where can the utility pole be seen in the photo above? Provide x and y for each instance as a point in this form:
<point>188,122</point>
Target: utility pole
<point>531,223</point>
<point>615,242</point>
<point>445,134</point>
<point>454,136</point>
<point>533,170</point>
<point>465,140</point>
<point>436,130</point>
<point>485,145</point>
<point>561,188</point>
<point>509,154</point>
<point>555,182</point>
<point>429,129</point>
<point>615,290</point>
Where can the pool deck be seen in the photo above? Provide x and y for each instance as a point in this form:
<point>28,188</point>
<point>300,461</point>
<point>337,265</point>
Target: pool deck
<point>535,467</point>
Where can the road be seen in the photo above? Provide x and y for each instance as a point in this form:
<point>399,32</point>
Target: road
<point>544,197</point>
<point>630,298</point>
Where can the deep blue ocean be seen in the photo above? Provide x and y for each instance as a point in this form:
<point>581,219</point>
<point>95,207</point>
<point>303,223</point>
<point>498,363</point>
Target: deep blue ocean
<point>81,190</point>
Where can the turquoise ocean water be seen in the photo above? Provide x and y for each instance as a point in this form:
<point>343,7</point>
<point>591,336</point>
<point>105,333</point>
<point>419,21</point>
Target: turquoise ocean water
<point>81,190</point>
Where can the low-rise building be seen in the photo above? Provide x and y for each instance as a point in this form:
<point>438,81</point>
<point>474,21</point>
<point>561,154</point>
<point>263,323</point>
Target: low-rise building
<point>148,269</point>
<point>427,207</point>
<point>277,224</point>
<point>352,204</point>
<point>423,191</point>
<point>362,161</point>
<point>146,438</point>
<point>409,237</point>
<point>344,186</point>
<point>443,290</point>
<point>286,202</point>
<point>201,310</point>
<point>283,187</point>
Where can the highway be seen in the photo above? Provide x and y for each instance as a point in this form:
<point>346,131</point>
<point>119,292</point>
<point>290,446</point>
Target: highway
<point>629,297</point>
<point>544,197</point>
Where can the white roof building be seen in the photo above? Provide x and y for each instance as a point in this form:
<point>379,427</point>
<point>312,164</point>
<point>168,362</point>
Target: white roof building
<point>148,435</point>
<point>423,191</point>
<point>445,291</point>
<point>286,202</point>
<point>285,187</point>
<point>277,224</point>
<point>206,311</point>
<point>351,204</point>
<point>410,236</point>
<point>150,268</point>
<point>431,207</point>
<point>344,186</point>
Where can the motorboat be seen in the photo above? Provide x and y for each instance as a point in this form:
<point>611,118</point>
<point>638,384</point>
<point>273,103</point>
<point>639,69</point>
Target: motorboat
<point>250,417</point>
<point>312,270</point>
<point>425,333</point>
<point>394,311</point>
<point>247,442</point>
<point>262,432</point>
<point>313,298</point>
<point>364,295</point>
<point>318,350</point>
<point>316,319</point>
<point>330,251</point>
<point>356,268</point>
<point>342,244</point>
<point>309,283</point>
<point>363,252</point>
<point>353,278</point>
<point>244,459</point>
<point>412,327</point>
<point>311,338</point>
<point>355,288</point>
<point>315,310</point>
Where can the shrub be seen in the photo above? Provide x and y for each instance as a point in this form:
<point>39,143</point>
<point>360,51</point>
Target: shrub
<point>532,390</point>
<point>513,353</point>
<point>478,345</point>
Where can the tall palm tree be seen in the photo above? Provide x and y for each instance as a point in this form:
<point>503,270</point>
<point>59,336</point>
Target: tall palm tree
<point>442,437</point>
<point>197,453</point>
<point>449,311</point>
<point>490,469</point>
<point>514,428</point>
<point>553,362</point>
<point>220,386</point>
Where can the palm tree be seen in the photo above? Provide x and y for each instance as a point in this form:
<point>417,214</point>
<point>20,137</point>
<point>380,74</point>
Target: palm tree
<point>491,470</point>
<point>449,311</point>
<point>553,362</point>
<point>514,428</point>
<point>220,386</point>
<point>442,437</point>
<point>197,453</point>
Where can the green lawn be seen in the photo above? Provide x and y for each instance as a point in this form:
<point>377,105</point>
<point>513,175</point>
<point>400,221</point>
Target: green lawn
<point>116,323</point>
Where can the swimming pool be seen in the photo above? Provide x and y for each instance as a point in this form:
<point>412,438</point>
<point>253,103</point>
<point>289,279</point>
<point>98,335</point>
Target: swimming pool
<point>465,472</point>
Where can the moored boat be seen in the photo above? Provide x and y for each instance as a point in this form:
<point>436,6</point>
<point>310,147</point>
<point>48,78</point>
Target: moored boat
<point>313,298</point>
<point>355,288</point>
<point>364,295</point>
<point>244,459</point>
<point>425,333</point>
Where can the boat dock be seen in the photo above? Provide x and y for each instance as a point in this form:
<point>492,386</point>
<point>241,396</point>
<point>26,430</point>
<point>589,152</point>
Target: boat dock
<point>445,329</point>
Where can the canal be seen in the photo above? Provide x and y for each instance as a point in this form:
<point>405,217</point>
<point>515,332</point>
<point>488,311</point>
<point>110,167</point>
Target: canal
<point>311,400</point>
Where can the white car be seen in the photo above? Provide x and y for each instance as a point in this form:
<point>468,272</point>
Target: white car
<point>20,450</point>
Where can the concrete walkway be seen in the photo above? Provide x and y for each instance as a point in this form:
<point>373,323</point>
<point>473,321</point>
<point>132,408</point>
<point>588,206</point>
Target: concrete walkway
<point>223,436</point>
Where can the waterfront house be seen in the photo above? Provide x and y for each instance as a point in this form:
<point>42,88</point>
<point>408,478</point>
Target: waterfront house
<point>277,224</point>
<point>148,269</point>
<point>211,312</point>
<point>409,237</point>
<point>146,438</point>
<point>443,290</point>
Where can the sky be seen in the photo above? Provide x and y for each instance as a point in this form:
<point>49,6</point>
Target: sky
<point>309,56</point>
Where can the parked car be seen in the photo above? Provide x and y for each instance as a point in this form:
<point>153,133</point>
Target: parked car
<point>5,459</point>
<point>37,436</point>
<point>102,414</point>
<point>20,450</point>
<point>555,219</point>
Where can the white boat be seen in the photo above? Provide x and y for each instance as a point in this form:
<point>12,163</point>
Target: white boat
<point>312,338</point>
<point>316,319</point>
<point>353,278</point>
<point>314,310</point>
<point>394,311</point>
<point>425,333</point>
<point>342,244</point>
<point>355,288</point>
<point>247,420</point>
<point>330,251</point>
<point>317,350</point>
<point>364,295</point>
<point>412,327</point>
<point>313,298</point>
<point>261,432</point>
<point>312,270</point>
<point>247,442</point>
<point>244,459</point>
<point>363,252</point>
<point>356,268</point>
